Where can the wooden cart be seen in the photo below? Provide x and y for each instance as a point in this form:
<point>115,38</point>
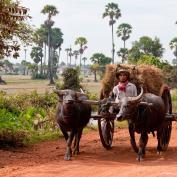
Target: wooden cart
<point>106,123</point>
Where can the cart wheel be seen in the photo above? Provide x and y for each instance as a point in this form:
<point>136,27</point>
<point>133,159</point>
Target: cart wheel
<point>106,131</point>
<point>167,100</point>
<point>164,135</point>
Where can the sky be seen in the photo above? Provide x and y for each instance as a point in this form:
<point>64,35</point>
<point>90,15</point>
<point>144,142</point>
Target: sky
<point>153,18</point>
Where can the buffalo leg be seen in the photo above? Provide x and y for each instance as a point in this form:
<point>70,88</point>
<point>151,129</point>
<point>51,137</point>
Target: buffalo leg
<point>65,134</point>
<point>68,148</point>
<point>142,145</point>
<point>132,137</point>
<point>78,137</point>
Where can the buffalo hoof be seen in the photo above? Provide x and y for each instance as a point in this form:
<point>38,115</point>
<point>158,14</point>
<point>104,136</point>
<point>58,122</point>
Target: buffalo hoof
<point>159,152</point>
<point>76,152</point>
<point>67,157</point>
<point>139,158</point>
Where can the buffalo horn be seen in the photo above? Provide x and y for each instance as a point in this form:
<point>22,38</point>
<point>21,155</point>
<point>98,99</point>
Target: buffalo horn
<point>80,94</point>
<point>93,102</point>
<point>81,90</point>
<point>60,92</point>
<point>137,98</point>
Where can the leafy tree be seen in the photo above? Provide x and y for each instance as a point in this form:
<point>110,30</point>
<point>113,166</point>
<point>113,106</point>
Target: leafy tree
<point>13,27</point>
<point>113,12</point>
<point>173,46</point>
<point>8,65</point>
<point>100,59</point>
<point>71,79</point>
<point>146,46</point>
<point>81,41</point>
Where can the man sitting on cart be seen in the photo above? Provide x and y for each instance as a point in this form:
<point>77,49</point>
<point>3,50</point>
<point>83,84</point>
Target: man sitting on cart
<point>124,86</point>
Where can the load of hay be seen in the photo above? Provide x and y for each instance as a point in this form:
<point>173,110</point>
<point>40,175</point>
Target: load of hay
<point>147,76</point>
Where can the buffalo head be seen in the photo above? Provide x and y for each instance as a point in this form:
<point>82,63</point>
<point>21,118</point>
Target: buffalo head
<point>69,96</point>
<point>128,105</point>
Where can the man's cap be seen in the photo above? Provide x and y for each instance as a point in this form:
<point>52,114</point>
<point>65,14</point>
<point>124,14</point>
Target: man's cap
<point>123,71</point>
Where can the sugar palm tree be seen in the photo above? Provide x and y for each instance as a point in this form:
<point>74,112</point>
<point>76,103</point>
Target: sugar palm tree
<point>67,55</point>
<point>75,53</point>
<point>84,59</point>
<point>36,55</point>
<point>81,41</point>
<point>51,11</point>
<point>113,12</point>
<point>70,55</point>
<point>123,53</point>
<point>124,31</point>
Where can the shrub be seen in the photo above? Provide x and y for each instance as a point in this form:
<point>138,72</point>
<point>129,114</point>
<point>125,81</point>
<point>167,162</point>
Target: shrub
<point>21,115</point>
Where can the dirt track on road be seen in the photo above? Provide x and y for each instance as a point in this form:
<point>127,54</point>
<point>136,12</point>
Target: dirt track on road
<point>46,159</point>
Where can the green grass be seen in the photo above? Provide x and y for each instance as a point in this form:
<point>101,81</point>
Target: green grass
<point>37,137</point>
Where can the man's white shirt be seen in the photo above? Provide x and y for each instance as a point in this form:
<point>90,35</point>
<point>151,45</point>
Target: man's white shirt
<point>130,90</point>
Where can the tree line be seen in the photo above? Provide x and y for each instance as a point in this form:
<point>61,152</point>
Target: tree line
<point>48,40</point>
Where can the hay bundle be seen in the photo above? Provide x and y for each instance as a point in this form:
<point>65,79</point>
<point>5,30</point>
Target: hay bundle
<point>150,77</point>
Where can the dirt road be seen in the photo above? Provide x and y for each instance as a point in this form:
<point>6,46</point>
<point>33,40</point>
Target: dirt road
<point>46,159</point>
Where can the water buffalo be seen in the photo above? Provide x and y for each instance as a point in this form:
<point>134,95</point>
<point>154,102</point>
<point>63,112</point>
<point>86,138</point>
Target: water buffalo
<point>145,114</point>
<point>72,116</point>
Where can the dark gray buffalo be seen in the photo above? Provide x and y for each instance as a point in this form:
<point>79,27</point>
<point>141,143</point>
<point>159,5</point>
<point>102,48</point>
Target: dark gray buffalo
<point>72,116</point>
<point>145,114</point>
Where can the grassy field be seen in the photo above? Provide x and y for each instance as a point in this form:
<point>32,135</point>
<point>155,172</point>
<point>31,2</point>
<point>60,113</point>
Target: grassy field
<point>24,84</point>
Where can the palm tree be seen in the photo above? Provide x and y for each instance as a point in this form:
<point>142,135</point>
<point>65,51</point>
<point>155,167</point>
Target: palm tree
<point>40,38</point>
<point>123,53</point>
<point>113,12</point>
<point>81,41</point>
<point>84,59</point>
<point>70,55</point>
<point>67,55</point>
<point>124,31</point>
<point>51,11</point>
<point>36,55</point>
<point>94,68</point>
<point>75,53</point>
<point>56,42</point>
<point>24,65</point>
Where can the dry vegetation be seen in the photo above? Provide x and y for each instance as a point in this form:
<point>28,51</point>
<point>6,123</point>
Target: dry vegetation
<point>24,84</point>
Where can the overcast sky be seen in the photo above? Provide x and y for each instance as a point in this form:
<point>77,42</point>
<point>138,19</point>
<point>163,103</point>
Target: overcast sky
<point>84,18</point>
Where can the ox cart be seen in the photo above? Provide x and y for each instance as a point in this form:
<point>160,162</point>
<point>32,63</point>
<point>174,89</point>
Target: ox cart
<point>106,122</point>
<point>151,111</point>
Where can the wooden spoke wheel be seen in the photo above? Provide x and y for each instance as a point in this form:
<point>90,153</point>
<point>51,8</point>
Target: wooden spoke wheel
<point>164,134</point>
<point>106,132</point>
